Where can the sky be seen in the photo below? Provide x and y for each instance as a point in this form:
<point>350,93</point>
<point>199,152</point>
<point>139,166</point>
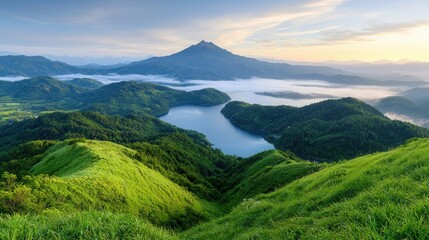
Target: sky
<point>295,30</point>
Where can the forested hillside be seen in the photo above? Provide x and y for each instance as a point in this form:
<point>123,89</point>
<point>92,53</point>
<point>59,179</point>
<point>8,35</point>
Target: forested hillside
<point>325,131</point>
<point>34,66</point>
<point>125,98</point>
<point>31,97</point>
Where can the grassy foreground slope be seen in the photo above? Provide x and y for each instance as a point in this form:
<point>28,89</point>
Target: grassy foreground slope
<point>264,173</point>
<point>81,175</point>
<point>378,196</point>
<point>83,225</point>
<point>326,131</point>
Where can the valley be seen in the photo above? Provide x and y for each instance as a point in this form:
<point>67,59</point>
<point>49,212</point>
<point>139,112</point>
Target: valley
<point>208,144</point>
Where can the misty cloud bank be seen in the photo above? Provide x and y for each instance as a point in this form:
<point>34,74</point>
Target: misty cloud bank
<point>247,89</point>
<point>310,91</point>
<point>295,95</point>
<point>404,118</point>
<point>13,78</point>
<point>112,78</point>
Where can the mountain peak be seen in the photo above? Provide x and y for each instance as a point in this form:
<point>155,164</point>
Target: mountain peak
<point>205,44</point>
<point>203,48</point>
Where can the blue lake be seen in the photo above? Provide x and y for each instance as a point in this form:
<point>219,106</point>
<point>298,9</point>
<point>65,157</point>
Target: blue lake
<point>218,130</point>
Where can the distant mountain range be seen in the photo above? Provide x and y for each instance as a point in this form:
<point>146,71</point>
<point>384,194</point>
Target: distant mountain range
<point>203,61</point>
<point>417,69</point>
<point>392,70</point>
<point>35,66</point>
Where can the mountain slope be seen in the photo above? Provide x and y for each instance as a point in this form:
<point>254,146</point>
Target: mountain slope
<point>264,173</point>
<point>420,96</point>
<point>397,104</point>
<point>404,108</point>
<point>185,157</point>
<point>34,66</point>
<point>39,88</point>
<point>326,131</point>
<point>207,61</point>
<point>85,225</point>
<point>410,106</point>
<point>187,162</point>
<point>125,98</point>
<point>378,196</point>
<point>89,175</point>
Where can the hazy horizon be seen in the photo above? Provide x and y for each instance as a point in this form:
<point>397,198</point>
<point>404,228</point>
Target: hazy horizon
<point>309,30</point>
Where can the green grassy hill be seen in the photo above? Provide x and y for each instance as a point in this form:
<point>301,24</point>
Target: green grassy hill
<point>326,131</point>
<point>264,173</point>
<point>187,162</point>
<point>378,196</point>
<point>185,157</point>
<point>82,225</point>
<point>80,175</point>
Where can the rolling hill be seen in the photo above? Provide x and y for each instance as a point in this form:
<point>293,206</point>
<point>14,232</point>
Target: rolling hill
<point>31,97</point>
<point>420,96</point>
<point>34,66</point>
<point>378,196</point>
<point>126,98</point>
<point>403,108</point>
<point>39,89</point>
<point>263,173</point>
<point>410,106</point>
<point>82,175</point>
<point>398,104</point>
<point>272,195</point>
<point>327,131</point>
<point>185,157</point>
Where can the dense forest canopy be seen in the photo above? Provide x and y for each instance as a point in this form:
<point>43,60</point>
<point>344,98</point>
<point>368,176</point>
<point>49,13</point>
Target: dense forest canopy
<point>326,131</point>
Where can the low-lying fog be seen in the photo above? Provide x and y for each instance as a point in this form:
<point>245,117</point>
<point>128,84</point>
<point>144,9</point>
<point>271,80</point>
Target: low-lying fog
<point>12,78</point>
<point>262,91</point>
<point>247,89</point>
